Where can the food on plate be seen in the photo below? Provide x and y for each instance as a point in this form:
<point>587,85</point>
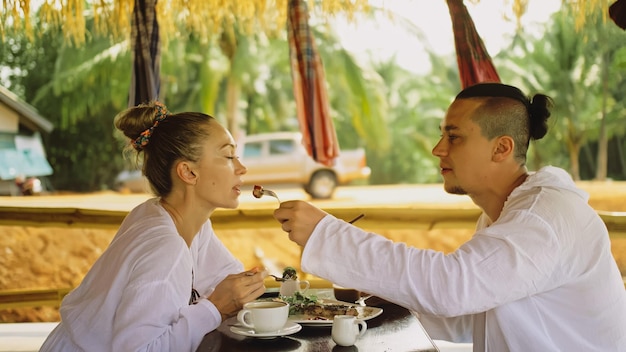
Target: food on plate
<point>314,309</point>
<point>328,311</point>
<point>257,191</point>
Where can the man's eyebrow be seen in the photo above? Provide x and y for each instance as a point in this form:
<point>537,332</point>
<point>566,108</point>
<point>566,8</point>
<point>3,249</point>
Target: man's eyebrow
<point>449,128</point>
<point>228,145</point>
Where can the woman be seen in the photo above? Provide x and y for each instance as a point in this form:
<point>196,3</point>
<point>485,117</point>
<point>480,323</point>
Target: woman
<point>165,280</point>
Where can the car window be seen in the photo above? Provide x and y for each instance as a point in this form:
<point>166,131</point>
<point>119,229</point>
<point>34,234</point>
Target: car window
<point>281,146</point>
<point>253,150</point>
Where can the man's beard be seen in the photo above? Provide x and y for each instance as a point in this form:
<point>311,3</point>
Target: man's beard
<point>456,190</point>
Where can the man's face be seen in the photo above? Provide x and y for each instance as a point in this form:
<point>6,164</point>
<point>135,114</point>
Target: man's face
<point>464,154</point>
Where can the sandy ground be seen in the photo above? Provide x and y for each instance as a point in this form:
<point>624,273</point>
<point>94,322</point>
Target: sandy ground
<point>34,257</point>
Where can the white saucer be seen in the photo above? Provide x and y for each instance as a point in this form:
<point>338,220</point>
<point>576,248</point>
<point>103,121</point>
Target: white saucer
<point>288,329</point>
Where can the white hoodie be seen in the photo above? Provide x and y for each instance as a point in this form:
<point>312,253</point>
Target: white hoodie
<point>540,278</point>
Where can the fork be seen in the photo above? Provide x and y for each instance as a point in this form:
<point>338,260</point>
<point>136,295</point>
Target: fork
<point>259,192</point>
<point>361,301</point>
<point>277,278</point>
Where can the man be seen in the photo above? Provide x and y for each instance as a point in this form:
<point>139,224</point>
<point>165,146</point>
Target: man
<point>538,274</point>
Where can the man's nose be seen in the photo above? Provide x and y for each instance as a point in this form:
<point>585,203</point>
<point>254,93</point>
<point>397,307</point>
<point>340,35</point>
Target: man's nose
<point>439,149</point>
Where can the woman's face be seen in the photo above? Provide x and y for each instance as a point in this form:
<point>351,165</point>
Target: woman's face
<point>219,171</point>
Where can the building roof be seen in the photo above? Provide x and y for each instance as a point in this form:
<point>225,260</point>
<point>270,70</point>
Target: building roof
<point>29,117</point>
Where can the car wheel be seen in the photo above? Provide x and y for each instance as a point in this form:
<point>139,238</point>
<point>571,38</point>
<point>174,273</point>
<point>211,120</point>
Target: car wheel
<point>322,185</point>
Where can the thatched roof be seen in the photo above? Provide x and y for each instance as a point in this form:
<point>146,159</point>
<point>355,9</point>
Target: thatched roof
<point>204,18</point>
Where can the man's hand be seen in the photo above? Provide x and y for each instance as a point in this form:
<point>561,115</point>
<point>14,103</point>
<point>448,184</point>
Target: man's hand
<point>298,218</point>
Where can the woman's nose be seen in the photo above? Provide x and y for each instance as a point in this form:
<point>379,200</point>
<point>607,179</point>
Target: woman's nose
<point>240,168</point>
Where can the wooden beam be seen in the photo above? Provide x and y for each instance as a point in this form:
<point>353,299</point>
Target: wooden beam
<point>401,217</point>
<point>60,217</point>
<point>17,298</point>
<point>615,221</point>
<point>397,217</point>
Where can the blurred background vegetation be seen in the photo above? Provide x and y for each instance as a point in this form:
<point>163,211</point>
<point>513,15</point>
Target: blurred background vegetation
<point>244,80</point>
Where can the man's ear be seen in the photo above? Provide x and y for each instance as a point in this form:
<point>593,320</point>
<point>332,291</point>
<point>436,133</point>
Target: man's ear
<point>185,172</point>
<point>504,148</point>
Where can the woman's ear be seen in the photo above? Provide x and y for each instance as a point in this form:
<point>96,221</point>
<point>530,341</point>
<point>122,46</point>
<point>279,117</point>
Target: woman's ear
<point>185,173</point>
<point>504,148</point>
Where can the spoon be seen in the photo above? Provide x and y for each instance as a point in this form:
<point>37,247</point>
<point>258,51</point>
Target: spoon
<point>259,192</point>
<point>361,301</point>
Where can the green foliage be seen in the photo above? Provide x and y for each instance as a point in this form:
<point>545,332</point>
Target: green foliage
<point>89,79</point>
<point>356,94</point>
<point>87,156</point>
<point>79,91</point>
<point>581,71</point>
<point>417,105</point>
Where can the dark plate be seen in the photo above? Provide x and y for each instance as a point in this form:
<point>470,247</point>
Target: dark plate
<point>270,292</point>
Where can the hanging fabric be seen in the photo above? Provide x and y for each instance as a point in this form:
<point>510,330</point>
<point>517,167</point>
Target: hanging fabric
<point>473,60</point>
<point>307,71</point>
<point>146,52</point>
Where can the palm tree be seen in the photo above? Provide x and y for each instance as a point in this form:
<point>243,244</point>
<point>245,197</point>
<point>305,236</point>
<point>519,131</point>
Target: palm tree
<point>604,43</point>
<point>256,84</point>
<point>88,79</point>
<point>358,103</point>
<point>556,64</point>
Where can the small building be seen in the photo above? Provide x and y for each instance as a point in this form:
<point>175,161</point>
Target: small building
<point>22,153</point>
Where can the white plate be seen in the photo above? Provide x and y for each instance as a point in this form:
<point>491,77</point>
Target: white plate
<point>288,329</point>
<point>365,313</point>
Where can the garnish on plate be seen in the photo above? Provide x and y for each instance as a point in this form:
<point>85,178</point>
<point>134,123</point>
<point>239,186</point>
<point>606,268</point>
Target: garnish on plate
<point>298,302</point>
<point>290,273</point>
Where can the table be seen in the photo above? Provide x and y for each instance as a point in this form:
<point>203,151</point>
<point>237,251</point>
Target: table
<point>396,329</point>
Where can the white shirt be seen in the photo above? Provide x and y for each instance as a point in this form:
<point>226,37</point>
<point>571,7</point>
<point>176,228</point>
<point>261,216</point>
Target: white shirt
<point>540,278</point>
<point>136,295</point>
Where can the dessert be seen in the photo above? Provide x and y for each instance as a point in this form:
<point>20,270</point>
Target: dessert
<point>257,192</point>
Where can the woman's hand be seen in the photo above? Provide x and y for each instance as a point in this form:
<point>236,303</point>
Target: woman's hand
<point>235,290</point>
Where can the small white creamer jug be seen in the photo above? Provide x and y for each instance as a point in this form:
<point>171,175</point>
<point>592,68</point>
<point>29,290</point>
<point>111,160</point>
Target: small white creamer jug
<point>290,286</point>
<point>347,329</point>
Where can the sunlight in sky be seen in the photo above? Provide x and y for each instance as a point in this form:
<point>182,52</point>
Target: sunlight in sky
<point>381,38</point>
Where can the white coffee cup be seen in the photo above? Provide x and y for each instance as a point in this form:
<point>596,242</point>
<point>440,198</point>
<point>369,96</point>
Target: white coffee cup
<point>289,287</point>
<point>347,329</point>
<point>264,316</point>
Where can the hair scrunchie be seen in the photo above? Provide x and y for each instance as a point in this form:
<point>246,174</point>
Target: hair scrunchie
<point>140,142</point>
